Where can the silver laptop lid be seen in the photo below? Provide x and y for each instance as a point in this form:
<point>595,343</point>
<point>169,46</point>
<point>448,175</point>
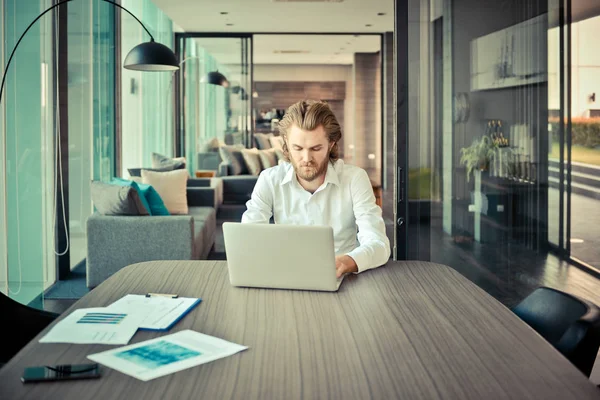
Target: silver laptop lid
<point>280,256</point>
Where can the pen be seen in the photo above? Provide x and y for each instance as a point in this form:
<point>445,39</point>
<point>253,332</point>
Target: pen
<point>172,296</point>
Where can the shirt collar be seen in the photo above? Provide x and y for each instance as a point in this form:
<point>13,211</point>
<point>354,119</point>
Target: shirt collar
<point>330,177</point>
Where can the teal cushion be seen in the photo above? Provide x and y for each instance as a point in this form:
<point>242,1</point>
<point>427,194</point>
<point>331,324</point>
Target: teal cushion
<point>157,206</point>
<point>143,198</point>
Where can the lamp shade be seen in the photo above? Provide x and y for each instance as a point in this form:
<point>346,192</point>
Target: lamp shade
<point>215,78</point>
<point>151,56</point>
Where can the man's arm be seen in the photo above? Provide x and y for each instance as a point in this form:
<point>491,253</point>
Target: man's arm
<point>374,249</point>
<point>260,206</point>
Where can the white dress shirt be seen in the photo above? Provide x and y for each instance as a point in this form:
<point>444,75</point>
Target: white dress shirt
<point>345,201</point>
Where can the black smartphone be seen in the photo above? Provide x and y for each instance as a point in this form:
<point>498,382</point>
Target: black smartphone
<point>60,372</point>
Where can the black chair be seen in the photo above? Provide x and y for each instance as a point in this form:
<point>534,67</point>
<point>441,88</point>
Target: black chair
<point>22,324</point>
<point>570,324</point>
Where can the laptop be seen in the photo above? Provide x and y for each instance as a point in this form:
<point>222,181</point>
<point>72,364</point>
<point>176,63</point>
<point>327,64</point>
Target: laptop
<point>281,256</point>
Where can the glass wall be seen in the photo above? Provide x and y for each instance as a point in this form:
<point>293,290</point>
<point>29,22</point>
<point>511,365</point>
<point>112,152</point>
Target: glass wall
<point>584,216</point>
<point>212,111</point>
<point>26,177</point>
<point>481,81</point>
<point>147,99</point>
<point>91,98</point>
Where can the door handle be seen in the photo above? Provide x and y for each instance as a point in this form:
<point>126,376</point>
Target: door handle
<point>400,181</point>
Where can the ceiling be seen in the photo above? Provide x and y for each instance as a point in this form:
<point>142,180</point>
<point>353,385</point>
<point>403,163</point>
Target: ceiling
<point>280,16</point>
<point>294,49</point>
<point>584,9</point>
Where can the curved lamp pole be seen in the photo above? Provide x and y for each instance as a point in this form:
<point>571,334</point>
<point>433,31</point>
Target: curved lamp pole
<point>148,56</point>
<point>221,82</point>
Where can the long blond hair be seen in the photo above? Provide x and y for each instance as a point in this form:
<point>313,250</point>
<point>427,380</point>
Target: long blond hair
<point>308,115</point>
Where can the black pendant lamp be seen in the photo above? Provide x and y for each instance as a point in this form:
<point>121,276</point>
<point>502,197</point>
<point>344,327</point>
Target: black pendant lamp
<point>148,56</point>
<point>151,56</point>
<point>215,78</point>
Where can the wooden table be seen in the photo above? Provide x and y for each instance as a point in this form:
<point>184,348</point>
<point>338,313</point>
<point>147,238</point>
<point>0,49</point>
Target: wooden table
<point>409,330</point>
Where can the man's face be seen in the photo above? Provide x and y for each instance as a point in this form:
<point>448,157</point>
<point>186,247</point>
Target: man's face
<point>309,152</point>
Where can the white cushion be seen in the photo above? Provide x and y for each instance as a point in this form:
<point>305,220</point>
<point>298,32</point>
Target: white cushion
<point>268,158</point>
<point>171,187</point>
<point>276,142</point>
<point>252,160</point>
<point>160,161</point>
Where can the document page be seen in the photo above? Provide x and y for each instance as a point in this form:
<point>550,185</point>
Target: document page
<point>595,375</point>
<point>94,325</point>
<point>167,354</point>
<point>158,313</point>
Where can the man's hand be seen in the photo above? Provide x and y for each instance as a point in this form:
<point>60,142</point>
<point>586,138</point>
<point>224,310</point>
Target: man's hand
<point>345,264</point>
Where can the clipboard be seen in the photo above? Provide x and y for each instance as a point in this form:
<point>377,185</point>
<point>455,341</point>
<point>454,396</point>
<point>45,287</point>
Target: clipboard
<point>159,313</point>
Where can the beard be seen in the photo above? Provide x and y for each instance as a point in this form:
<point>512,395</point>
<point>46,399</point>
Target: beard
<point>310,171</point>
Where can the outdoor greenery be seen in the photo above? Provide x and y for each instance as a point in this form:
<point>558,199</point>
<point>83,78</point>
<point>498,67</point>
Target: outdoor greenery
<point>419,184</point>
<point>585,132</point>
<point>578,154</point>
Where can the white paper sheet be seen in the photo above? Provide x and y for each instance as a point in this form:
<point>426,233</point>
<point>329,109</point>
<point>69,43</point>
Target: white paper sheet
<point>595,375</point>
<point>167,354</point>
<point>158,313</point>
<point>94,325</point>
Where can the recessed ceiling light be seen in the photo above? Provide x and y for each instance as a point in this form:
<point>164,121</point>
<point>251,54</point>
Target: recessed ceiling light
<point>224,13</point>
<point>291,51</point>
<point>342,48</point>
<point>356,35</point>
<point>336,53</point>
<point>380,14</point>
<point>368,25</point>
<point>229,24</point>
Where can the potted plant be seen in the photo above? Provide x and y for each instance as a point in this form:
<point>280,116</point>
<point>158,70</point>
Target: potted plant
<point>478,155</point>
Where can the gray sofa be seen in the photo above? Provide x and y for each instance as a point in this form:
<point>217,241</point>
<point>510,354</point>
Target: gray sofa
<point>237,189</point>
<point>117,241</point>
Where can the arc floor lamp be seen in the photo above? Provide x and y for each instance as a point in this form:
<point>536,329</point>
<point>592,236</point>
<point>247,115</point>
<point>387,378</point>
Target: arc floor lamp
<point>147,56</point>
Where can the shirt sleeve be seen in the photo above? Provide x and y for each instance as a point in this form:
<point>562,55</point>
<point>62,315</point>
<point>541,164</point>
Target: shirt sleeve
<point>260,206</point>
<point>374,249</point>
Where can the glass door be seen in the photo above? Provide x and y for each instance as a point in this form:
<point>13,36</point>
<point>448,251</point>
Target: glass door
<point>208,109</point>
<point>559,127</point>
<point>485,105</point>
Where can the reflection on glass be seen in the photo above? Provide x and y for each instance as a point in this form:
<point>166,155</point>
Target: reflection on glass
<point>490,207</point>
<point>214,114</point>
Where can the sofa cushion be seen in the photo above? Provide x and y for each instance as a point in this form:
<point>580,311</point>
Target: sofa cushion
<point>171,186</point>
<point>232,155</point>
<point>112,199</point>
<point>276,142</point>
<point>280,156</point>
<point>268,158</point>
<point>252,160</point>
<point>137,172</point>
<point>262,140</point>
<point>136,186</point>
<point>210,145</point>
<point>160,161</point>
<point>157,205</point>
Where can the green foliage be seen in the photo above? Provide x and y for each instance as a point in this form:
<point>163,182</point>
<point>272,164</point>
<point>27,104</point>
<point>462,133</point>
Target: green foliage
<point>419,184</point>
<point>478,155</point>
<point>584,131</point>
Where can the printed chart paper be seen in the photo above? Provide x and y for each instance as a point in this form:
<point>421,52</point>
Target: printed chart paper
<point>94,325</point>
<point>167,354</point>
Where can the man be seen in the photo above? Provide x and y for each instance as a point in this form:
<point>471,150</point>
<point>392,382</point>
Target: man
<point>317,188</point>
